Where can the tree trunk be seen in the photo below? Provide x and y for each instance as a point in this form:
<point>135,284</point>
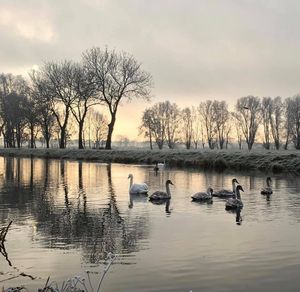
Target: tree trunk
<point>80,138</point>
<point>277,144</point>
<point>110,131</point>
<point>150,140</point>
<point>62,139</point>
<point>298,141</point>
<point>250,144</point>
<point>18,136</point>
<point>221,143</point>
<point>31,136</point>
<point>47,138</point>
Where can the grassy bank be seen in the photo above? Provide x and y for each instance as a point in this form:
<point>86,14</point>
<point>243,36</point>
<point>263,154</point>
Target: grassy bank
<point>269,161</point>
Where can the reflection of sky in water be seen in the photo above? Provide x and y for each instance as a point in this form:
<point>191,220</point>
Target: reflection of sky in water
<point>68,215</point>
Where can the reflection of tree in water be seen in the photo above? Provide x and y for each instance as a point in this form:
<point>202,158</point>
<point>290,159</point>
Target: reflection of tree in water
<point>293,198</point>
<point>112,233</point>
<point>15,196</point>
<point>238,216</point>
<point>77,224</point>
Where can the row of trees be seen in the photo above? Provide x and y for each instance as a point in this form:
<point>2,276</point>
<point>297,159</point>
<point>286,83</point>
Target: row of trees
<point>213,124</point>
<point>61,91</point>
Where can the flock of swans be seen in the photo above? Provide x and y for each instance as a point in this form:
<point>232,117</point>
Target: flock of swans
<point>233,197</point>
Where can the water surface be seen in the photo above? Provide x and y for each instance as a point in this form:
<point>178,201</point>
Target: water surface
<point>67,216</point>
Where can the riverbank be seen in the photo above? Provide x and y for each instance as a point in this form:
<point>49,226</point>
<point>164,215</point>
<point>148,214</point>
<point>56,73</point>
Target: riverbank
<point>263,160</point>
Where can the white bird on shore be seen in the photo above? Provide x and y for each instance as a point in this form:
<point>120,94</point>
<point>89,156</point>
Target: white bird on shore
<point>160,195</point>
<point>202,196</point>
<point>137,188</point>
<point>227,193</point>
<point>235,203</point>
<point>268,189</point>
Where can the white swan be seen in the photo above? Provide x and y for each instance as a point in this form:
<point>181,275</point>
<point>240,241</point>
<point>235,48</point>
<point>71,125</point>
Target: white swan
<point>160,195</point>
<point>268,189</point>
<point>235,203</point>
<point>202,196</point>
<point>137,188</point>
<point>227,193</point>
<point>161,165</point>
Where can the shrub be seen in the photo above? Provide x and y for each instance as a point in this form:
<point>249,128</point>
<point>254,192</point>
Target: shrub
<point>220,164</point>
<point>277,168</point>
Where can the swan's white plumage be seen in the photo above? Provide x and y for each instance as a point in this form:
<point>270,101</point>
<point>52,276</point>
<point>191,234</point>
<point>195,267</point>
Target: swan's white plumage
<point>137,188</point>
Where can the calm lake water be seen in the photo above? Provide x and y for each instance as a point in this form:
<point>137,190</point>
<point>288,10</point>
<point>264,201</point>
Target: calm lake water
<point>68,215</point>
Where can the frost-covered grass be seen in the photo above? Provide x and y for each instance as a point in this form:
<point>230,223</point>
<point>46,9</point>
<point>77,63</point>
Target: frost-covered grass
<point>272,160</point>
<point>74,284</point>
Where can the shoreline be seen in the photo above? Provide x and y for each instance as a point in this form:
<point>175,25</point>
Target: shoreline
<point>282,161</point>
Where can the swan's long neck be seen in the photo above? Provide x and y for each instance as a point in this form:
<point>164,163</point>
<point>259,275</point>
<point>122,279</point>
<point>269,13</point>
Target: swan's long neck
<point>238,194</point>
<point>268,183</point>
<point>168,189</point>
<point>233,186</point>
<point>131,181</point>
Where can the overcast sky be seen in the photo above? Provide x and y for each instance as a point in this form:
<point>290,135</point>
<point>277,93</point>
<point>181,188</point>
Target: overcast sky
<point>195,49</point>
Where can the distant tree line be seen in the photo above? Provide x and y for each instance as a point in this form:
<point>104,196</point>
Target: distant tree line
<point>212,124</point>
<point>61,97</point>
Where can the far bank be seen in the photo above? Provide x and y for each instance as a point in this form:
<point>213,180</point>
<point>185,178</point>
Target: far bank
<point>268,161</point>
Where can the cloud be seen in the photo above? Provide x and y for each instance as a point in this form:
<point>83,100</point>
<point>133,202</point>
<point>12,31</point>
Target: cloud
<point>26,24</point>
<point>194,49</point>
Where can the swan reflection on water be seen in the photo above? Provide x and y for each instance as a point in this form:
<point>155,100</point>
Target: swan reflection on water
<point>137,198</point>
<point>165,202</point>
<point>238,216</point>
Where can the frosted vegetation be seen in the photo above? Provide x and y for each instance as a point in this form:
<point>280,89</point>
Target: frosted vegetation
<point>220,160</point>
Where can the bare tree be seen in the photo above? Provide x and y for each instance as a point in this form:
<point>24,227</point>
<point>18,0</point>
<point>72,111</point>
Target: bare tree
<point>196,132</point>
<point>15,115</point>
<point>276,120</point>
<point>266,114</point>
<point>248,114</point>
<point>288,122</point>
<point>85,92</point>
<point>221,119</point>
<point>187,126</point>
<point>31,115</point>
<point>13,96</point>
<point>294,109</point>
<point>228,130</point>
<point>172,122</point>
<point>96,127</point>
<point>238,128</point>
<point>43,99</point>
<point>118,76</point>
<point>147,124</point>
<point>60,81</point>
<point>154,120</point>
<point>208,122</point>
